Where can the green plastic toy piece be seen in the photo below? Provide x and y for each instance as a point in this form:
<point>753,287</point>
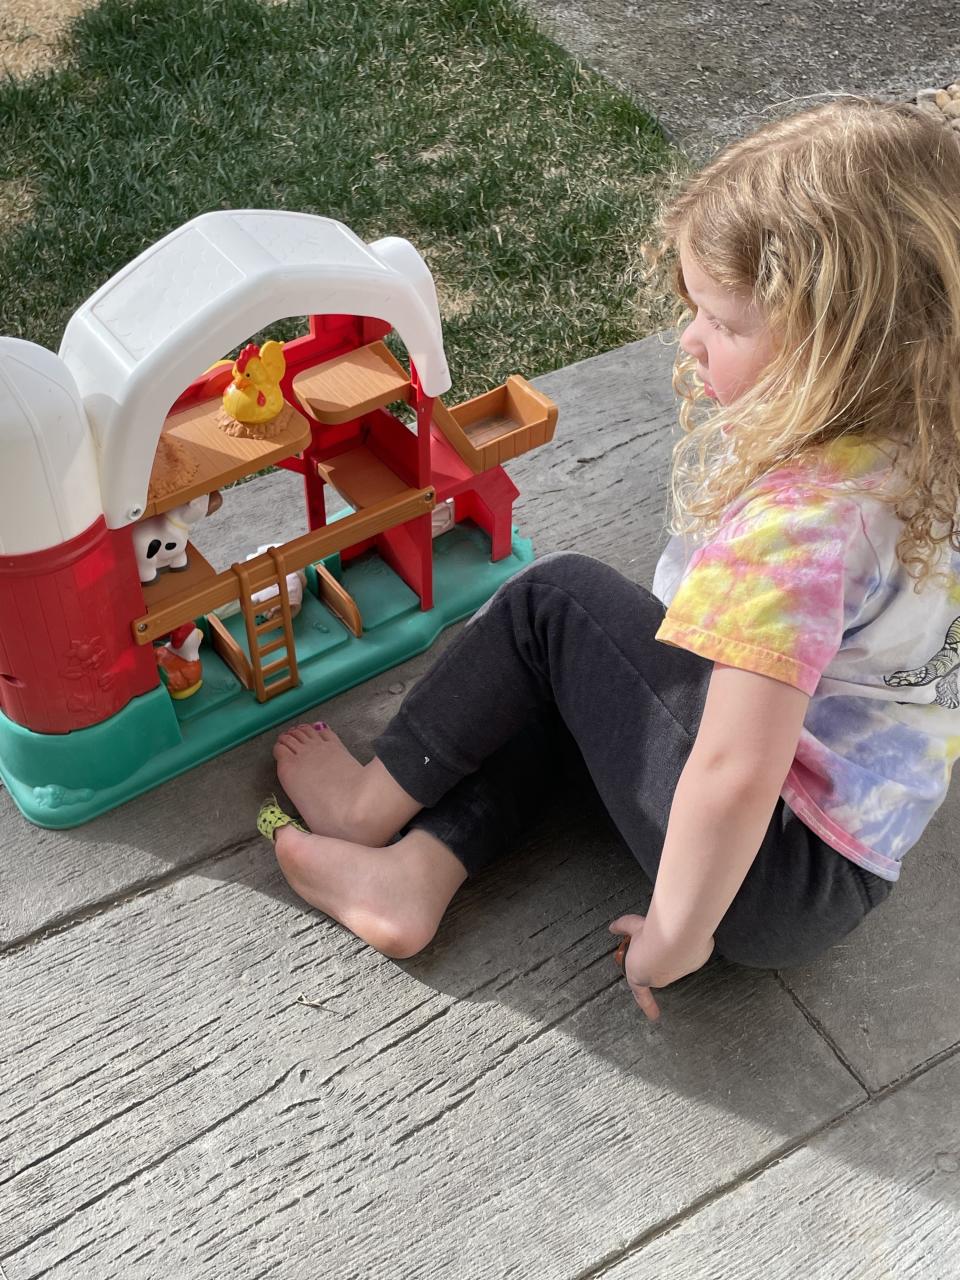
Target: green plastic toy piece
<point>63,780</point>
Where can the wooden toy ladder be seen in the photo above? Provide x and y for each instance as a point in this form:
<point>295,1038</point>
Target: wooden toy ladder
<point>267,680</point>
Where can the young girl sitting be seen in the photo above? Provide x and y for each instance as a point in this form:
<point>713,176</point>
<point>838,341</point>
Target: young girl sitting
<point>771,729</point>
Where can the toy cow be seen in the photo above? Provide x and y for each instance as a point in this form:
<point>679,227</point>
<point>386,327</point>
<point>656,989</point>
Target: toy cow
<point>160,542</point>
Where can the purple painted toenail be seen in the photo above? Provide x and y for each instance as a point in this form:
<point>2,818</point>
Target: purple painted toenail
<point>319,724</point>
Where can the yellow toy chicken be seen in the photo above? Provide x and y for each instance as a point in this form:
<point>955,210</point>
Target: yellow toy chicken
<point>253,399</point>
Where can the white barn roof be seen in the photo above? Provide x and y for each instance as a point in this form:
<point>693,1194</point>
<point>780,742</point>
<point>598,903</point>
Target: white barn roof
<point>141,339</point>
<point>48,469</point>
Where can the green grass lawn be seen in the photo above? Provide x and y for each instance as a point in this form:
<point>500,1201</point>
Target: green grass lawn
<point>527,183</point>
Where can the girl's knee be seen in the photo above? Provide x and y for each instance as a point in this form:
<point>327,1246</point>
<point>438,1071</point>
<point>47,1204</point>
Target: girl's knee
<point>567,578</point>
<point>559,568</point>
<point>582,576</point>
<point>571,571</point>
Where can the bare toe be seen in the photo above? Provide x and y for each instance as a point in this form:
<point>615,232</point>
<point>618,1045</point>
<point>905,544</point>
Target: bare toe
<point>322,731</point>
<point>334,793</point>
<point>321,777</point>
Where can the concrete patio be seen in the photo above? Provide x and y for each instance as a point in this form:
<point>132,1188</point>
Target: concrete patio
<point>713,72</point>
<point>202,1078</point>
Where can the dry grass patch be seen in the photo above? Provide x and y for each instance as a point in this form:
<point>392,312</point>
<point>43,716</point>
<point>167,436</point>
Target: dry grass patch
<point>30,32</point>
<point>16,202</point>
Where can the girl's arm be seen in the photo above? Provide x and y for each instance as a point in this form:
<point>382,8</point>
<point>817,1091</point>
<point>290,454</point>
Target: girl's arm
<point>720,812</point>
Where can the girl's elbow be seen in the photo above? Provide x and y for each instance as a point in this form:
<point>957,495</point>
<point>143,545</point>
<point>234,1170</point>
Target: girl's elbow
<point>732,776</point>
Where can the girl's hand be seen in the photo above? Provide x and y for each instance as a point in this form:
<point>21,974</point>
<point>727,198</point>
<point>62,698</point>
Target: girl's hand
<point>645,968</point>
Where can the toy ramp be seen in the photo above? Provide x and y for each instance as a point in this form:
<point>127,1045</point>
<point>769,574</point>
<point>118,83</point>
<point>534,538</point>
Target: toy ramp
<point>205,288</point>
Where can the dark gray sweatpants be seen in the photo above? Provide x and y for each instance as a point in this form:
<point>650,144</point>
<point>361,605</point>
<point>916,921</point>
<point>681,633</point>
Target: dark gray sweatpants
<point>559,678</point>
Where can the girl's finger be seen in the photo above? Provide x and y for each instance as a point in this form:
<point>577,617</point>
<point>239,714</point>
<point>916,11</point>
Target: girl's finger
<point>644,998</point>
<point>626,924</point>
<point>620,955</point>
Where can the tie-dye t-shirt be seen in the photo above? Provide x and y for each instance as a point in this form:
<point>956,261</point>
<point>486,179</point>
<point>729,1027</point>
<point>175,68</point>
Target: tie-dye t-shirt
<point>801,582</point>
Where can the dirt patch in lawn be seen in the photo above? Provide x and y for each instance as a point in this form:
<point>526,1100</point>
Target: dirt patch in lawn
<point>30,32</point>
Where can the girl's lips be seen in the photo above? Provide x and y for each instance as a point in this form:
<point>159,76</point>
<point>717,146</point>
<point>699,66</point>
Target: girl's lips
<point>709,391</point>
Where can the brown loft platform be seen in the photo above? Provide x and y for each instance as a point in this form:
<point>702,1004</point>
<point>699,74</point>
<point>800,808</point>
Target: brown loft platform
<point>220,458</point>
<point>176,582</point>
<point>352,384</point>
<point>360,477</point>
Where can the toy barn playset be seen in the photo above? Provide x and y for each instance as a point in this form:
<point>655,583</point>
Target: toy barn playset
<point>125,657</point>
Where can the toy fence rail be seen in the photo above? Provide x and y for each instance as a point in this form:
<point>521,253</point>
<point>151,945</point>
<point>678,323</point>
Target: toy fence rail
<point>225,587</point>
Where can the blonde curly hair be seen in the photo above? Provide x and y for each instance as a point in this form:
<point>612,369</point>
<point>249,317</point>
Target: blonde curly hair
<point>842,223</point>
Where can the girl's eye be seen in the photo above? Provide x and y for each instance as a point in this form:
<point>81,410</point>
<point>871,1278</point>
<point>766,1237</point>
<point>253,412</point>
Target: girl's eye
<point>718,325</point>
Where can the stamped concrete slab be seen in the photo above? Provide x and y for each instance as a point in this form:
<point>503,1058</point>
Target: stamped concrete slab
<point>47,878</point>
<point>885,997</point>
<point>598,488</point>
<point>888,996</point>
<point>876,1198</point>
<point>714,72</point>
<point>497,1107</point>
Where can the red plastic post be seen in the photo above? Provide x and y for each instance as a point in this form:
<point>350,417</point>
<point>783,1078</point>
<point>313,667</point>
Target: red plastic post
<point>423,405</point>
<point>489,503</point>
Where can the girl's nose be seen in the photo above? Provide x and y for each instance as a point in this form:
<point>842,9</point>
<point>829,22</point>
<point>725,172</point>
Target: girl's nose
<point>690,340</point>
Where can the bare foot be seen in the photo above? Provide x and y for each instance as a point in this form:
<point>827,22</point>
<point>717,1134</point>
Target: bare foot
<point>394,898</point>
<point>334,793</point>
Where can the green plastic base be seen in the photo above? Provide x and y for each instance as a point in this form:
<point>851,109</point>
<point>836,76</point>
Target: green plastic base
<point>62,780</point>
